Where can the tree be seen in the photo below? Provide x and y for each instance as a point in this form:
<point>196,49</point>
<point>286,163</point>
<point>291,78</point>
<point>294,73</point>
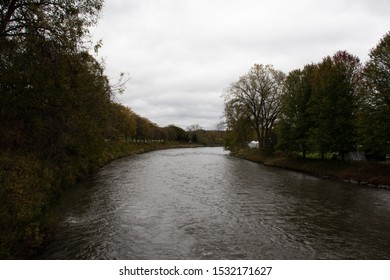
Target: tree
<point>321,107</point>
<point>348,70</point>
<point>45,98</point>
<point>45,75</point>
<point>122,122</point>
<point>295,122</point>
<point>238,127</point>
<point>334,104</point>
<point>375,113</point>
<point>258,95</point>
<point>193,131</point>
<point>160,133</point>
<point>144,129</point>
<point>64,22</point>
<point>54,110</point>
<point>175,133</point>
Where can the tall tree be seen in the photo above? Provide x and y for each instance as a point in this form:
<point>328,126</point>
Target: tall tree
<point>348,71</point>
<point>122,122</point>
<point>239,129</point>
<point>143,128</point>
<point>295,122</point>
<point>54,106</point>
<point>334,104</point>
<point>44,70</point>
<point>175,133</point>
<point>375,115</point>
<point>193,132</point>
<point>258,94</point>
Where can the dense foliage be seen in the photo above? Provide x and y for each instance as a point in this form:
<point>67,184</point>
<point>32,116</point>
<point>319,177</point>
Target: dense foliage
<point>58,117</point>
<point>375,100</point>
<point>334,106</point>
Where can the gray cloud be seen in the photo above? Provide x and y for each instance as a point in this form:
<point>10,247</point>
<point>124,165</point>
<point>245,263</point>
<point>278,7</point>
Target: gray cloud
<point>182,54</point>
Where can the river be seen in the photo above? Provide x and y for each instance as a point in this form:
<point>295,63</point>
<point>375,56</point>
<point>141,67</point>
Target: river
<point>204,204</point>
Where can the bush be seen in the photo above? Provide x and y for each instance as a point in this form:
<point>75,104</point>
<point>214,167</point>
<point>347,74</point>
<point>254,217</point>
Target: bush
<point>27,185</point>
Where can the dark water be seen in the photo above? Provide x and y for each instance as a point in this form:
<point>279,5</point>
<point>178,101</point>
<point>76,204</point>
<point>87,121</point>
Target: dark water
<point>204,204</point>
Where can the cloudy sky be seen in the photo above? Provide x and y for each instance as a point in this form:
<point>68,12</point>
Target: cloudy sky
<point>182,54</point>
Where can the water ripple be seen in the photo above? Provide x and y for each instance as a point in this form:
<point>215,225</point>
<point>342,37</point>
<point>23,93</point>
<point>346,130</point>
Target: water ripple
<point>204,204</point>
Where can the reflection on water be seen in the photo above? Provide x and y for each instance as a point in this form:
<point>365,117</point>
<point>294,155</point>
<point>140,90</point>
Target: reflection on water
<point>204,204</point>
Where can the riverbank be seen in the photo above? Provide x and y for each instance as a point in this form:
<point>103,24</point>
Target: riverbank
<point>30,186</point>
<point>371,174</point>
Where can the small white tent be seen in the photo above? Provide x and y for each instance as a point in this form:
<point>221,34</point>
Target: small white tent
<point>253,145</point>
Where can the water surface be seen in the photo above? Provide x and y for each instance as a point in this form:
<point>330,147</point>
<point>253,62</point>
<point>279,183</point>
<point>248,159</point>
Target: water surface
<point>204,204</point>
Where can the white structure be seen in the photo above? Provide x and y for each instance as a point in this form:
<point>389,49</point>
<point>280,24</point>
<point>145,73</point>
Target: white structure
<point>254,145</point>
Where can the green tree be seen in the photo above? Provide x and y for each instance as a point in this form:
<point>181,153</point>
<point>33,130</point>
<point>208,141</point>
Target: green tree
<point>175,133</point>
<point>334,104</point>
<point>48,96</point>
<point>349,73</point>
<point>239,130</point>
<point>63,22</point>
<point>144,129</point>
<point>45,75</point>
<point>160,133</point>
<point>194,131</point>
<point>375,113</point>
<point>295,121</point>
<point>322,110</point>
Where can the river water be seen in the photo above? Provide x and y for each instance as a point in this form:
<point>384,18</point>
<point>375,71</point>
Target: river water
<point>204,204</point>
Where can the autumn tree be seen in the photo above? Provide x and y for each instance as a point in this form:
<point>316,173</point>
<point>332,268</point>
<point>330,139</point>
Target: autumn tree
<point>123,122</point>
<point>159,133</point>
<point>63,22</point>
<point>258,94</point>
<point>175,133</point>
<point>54,109</point>
<point>143,128</point>
<point>44,69</point>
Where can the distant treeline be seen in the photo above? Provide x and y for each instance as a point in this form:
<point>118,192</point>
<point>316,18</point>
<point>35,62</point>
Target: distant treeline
<point>335,106</point>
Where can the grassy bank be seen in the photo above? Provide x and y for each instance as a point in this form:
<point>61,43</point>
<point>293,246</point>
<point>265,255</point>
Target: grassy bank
<point>366,173</point>
<point>30,185</point>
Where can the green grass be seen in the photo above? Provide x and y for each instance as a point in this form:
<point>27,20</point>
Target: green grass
<point>364,172</point>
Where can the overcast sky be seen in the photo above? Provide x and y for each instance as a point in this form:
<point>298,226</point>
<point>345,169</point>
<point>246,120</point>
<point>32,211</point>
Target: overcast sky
<point>182,54</point>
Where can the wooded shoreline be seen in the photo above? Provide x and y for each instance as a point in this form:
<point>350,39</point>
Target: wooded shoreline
<point>32,187</point>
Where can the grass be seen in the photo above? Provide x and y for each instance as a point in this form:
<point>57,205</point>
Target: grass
<point>363,172</point>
